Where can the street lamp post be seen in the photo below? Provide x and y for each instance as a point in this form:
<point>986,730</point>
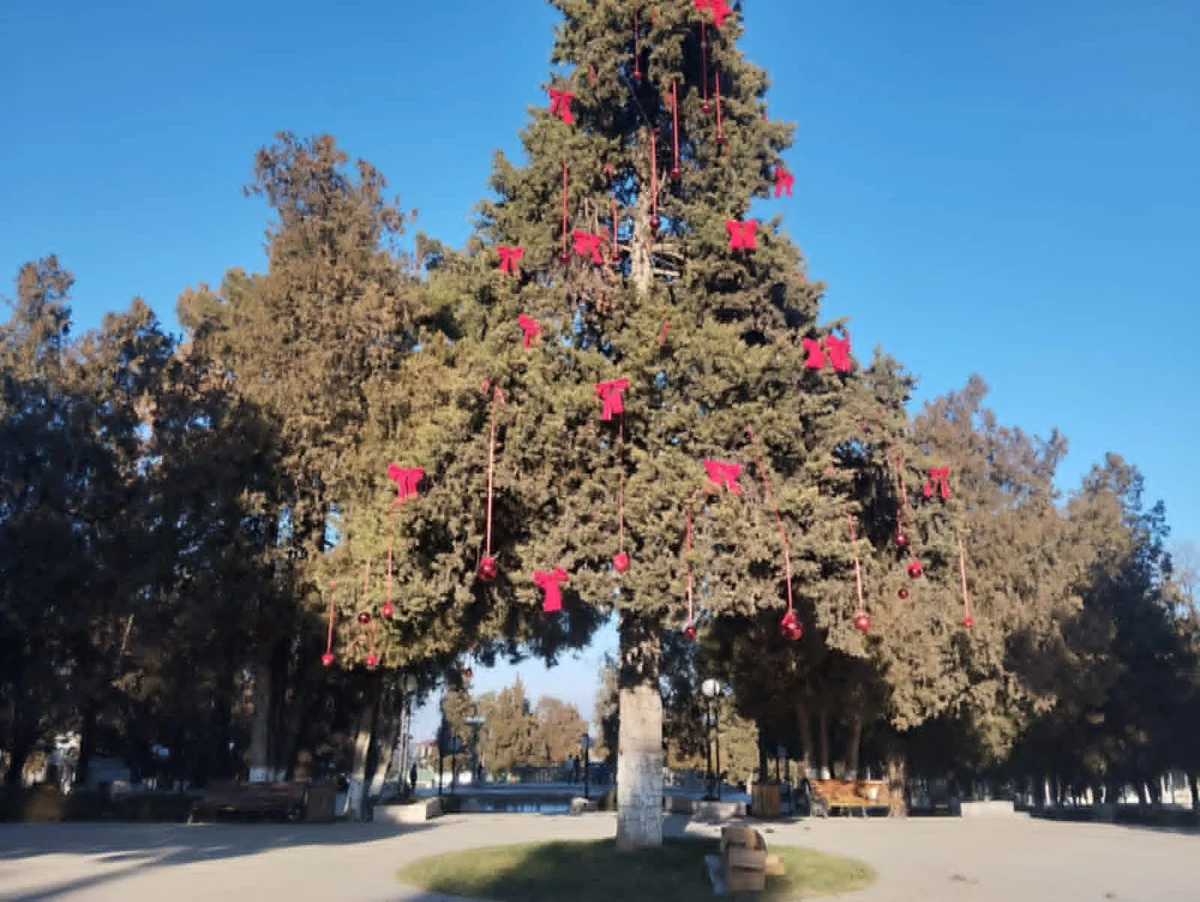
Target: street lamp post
<point>711,689</point>
<point>409,687</point>
<point>475,722</point>
<point>586,742</point>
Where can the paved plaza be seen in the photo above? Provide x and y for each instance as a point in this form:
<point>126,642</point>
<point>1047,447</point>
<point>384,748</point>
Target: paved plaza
<point>919,860</point>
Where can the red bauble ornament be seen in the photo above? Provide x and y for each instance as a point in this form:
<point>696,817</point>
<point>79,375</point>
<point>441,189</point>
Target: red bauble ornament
<point>637,74</point>
<point>364,618</point>
<point>968,622</point>
<point>620,562</point>
<point>689,632</point>
<point>655,223</point>
<point>676,173</point>
<point>327,659</point>
<point>900,540</point>
<point>387,610</point>
<point>488,569</point>
<point>903,593</point>
<point>372,660</point>
<point>564,258</point>
<point>862,622</point>
<point>706,108</point>
<point>790,628</point>
<point>468,673</point>
<point>915,570</point>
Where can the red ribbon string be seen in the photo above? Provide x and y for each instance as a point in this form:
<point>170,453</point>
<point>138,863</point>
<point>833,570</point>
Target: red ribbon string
<point>691,615</point>
<point>857,566</point>
<point>938,476</point>
<point>816,356</point>
<point>329,635</point>
<point>675,172</point>
<point>491,479</point>
<point>637,47</point>
<point>587,244</point>
<point>723,475</point>
<point>662,333</point>
<point>838,350</point>
<point>387,604</point>
<point>621,484</point>
<point>704,108</point>
<point>616,250</point>
<point>787,558</point>
<point>962,571</point>
<point>742,235</point>
<point>653,175</point>
<point>510,257</point>
<point>406,479</point>
<point>784,181</point>
<point>549,583</point>
<point>610,394</point>
<point>531,328</point>
<point>564,213</point>
<point>717,84</point>
<point>560,105</point>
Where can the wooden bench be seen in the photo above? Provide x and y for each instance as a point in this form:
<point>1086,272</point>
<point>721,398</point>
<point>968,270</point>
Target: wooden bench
<point>286,801</point>
<point>849,796</point>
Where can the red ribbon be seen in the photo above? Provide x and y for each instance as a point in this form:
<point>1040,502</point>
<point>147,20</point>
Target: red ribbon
<point>724,475</point>
<point>549,583</point>
<point>610,394</point>
<point>509,258</point>
<point>816,356</point>
<point>720,10</point>
<point>406,479</point>
<point>531,327</point>
<point>588,243</point>
<point>662,333</point>
<point>742,235</point>
<point>560,105</point>
<point>937,479</point>
<point>838,350</point>
<point>784,181</point>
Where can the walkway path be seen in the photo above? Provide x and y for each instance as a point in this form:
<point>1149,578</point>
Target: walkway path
<point>919,860</point>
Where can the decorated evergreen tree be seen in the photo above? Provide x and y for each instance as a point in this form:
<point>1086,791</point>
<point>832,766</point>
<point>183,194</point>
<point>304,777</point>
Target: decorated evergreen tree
<point>654,359</point>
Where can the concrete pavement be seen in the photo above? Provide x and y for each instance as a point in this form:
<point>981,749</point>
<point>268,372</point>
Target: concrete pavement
<point>919,860</point>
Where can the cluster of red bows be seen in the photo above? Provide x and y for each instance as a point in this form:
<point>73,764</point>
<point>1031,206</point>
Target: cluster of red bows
<point>837,350</point>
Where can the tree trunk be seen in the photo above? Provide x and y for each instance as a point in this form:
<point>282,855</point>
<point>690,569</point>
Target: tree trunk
<point>260,726</point>
<point>356,796</point>
<point>853,745</point>
<point>387,735</point>
<point>804,727</point>
<point>763,774</point>
<point>1194,786</point>
<point>823,744</point>
<point>639,744</point>
<point>897,777</point>
<point>87,743</point>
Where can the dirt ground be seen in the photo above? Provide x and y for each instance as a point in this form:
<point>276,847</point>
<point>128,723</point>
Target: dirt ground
<point>1010,859</point>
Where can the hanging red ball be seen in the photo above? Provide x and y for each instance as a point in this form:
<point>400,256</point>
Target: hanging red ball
<point>903,593</point>
<point>915,570</point>
<point>689,632</point>
<point>637,74</point>
<point>327,659</point>
<point>488,569</point>
<point>364,618</point>
<point>968,622</point>
<point>616,255</point>
<point>900,540</point>
<point>790,628</point>
<point>564,258</point>
<point>372,660</point>
<point>655,223</point>
<point>706,108</point>
<point>468,673</point>
<point>862,622</point>
<point>676,173</point>
<point>387,610</point>
<point>620,562</point>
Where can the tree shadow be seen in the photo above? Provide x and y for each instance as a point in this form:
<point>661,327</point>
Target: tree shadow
<point>145,846</point>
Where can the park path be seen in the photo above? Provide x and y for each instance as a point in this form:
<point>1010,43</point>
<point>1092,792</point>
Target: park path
<point>919,860</point>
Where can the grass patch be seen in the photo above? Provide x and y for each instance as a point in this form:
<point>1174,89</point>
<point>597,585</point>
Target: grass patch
<point>596,872</point>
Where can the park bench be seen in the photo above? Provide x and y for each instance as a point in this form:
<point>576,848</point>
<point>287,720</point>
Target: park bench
<point>286,801</point>
<point>848,797</point>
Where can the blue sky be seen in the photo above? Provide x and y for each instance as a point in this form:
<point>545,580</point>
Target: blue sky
<point>1002,188</point>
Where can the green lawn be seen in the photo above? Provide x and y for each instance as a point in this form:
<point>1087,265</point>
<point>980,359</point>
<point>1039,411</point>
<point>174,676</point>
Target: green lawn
<point>596,872</point>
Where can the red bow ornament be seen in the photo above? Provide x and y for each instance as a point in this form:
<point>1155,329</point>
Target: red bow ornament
<point>784,181</point>
<point>938,477</point>
<point>531,327</point>
<point>838,350</point>
<point>560,105</point>
<point>406,479</point>
<point>720,10</point>
<point>724,475</point>
<point>509,258</point>
<point>610,394</point>
<point>816,355</point>
<point>588,244</point>
<point>742,235</point>
<point>549,583</point>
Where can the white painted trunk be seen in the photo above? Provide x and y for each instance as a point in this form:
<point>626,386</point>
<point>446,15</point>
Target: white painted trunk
<point>639,769</point>
<point>356,796</point>
<point>260,726</point>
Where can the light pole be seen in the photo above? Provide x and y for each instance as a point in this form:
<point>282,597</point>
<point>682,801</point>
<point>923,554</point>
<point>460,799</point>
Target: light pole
<point>711,689</point>
<point>586,741</point>
<point>475,722</point>
<point>409,687</point>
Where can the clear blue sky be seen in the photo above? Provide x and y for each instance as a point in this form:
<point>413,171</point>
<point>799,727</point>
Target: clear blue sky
<point>1003,188</point>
